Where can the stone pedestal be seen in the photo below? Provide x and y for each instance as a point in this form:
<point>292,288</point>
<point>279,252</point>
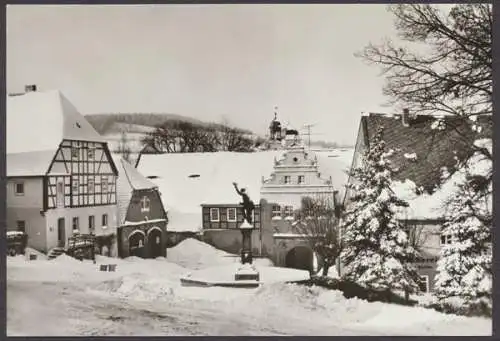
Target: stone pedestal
<point>246,272</point>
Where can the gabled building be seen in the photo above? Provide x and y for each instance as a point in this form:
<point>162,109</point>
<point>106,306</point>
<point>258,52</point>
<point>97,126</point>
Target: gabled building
<point>60,174</point>
<point>295,174</point>
<point>427,153</point>
<point>142,219</point>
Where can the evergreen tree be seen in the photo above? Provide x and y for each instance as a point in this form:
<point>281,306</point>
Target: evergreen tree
<point>376,249</point>
<point>465,265</point>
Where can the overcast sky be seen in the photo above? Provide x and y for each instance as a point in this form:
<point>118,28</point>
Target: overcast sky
<point>205,61</point>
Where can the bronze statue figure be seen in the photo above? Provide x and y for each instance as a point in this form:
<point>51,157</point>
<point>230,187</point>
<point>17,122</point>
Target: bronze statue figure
<point>248,205</point>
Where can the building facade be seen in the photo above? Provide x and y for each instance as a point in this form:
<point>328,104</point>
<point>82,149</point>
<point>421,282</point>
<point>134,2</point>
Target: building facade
<point>423,150</point>
<point>60,179</point>
<point>142,218</point>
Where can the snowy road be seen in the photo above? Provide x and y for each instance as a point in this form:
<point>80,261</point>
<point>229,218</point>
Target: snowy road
<point>65,297</point>
<point>54,309</point>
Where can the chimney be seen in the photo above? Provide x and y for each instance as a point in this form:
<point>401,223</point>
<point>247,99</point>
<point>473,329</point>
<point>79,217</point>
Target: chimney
<point>406,117</point>
<point>30,88</point>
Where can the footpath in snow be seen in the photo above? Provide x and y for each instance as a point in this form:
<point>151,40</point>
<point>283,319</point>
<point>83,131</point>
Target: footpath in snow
<point>145,297</point>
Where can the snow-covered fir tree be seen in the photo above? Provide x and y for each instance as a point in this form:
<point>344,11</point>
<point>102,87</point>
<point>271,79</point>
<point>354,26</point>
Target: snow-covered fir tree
<point>376,250</point>
<point>465,266</point>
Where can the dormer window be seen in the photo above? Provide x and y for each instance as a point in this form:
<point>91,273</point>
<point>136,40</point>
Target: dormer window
<point>145,204</point>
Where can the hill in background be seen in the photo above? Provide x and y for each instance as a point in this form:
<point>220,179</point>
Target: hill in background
<point>112,123</point>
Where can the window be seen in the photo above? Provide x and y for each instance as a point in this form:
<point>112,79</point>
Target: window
<point>91,223</point>
<point>21,225</point>
<point>231,214</point>
<point>104,220</point>
<point>75,186</point>
<point>90,186</point>
<point>76,223</point>
<point>214,214</point>
<point>19,188</point>
<point>74,153</point>
<point>446,239</point>
<point>423,283</point>
<point>276,211</point>
<point>104,184</point>
<point>145,204</point>
<point>60,188</point>
<point>286,179</point>
<point>288,211</point>
<point>301,179</point>
<point>91,153</point>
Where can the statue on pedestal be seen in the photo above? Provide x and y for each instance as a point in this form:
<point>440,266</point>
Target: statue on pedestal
<point>248,205</point>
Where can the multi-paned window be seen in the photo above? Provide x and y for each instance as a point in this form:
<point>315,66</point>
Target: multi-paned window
<point>19,188</point>
<point>74,153</point>
<point>446,239</point>
<point>214,214</point>
<point>91,153</point>
<point>75,186</point>
<point>76,223</point>
<point>91,223</point>
<point>104,184</point>
<point>287,179</point>
<point>145,204</point>
<point>21,225</point>
<point>104,220</point>
<point>301,179</point>
<point>423,283</point>
<point>276,211</point>
<point>288,211</point>
<point>231,214</point>
<point>90,185</point>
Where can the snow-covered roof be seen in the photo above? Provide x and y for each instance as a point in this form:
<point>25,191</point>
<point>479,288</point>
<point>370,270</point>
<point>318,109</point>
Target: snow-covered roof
<point>129,179</point>
<point>40,120</point>
<point>189,180</point>
<point>35,163</point>
<point>433,206</point>
<point>420,149</point>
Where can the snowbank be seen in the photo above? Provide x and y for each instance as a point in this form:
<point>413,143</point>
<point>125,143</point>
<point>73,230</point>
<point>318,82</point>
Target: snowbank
<point>145,289</point>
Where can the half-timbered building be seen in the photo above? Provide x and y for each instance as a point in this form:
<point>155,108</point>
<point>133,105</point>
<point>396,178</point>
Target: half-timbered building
<point>61,178</point>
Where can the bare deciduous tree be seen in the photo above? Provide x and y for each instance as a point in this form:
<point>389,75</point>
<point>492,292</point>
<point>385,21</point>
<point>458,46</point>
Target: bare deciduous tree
<point>445,64</point>
<point>317,222</point>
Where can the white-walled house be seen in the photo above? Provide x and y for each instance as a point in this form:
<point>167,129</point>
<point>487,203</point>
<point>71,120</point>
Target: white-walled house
<point>295,175</point>
<point>60,174</point>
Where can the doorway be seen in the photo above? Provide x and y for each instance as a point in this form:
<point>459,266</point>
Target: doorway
<point>61,232</point>
<point>154,242</point>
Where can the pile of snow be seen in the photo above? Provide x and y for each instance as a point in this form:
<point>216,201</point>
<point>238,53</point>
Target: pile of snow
<point>194,254</point>
<point>182,195</point>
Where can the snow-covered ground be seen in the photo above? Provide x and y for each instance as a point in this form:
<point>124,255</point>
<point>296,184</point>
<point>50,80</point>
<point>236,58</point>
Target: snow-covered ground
<point>66,297</point>
<point>188,180</point>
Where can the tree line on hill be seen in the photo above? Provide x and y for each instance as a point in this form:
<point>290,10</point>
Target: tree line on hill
<point>176,136</point>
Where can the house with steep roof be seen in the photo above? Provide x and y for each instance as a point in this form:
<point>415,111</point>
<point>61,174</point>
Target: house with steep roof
<point>61,178</point>
<point>142,219</point>
<point>427,155</point>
